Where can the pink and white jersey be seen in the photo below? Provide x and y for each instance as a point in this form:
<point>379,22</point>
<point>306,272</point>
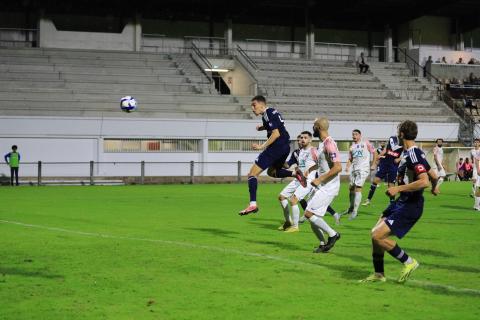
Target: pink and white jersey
<point>475,155</point>
<point>360,155</point>
<point>328,154</point>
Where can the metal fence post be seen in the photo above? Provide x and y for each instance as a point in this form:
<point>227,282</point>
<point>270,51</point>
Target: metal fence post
<point>39,175</point>
<point>142,172</point>
<point>91,173</point>
<point>239,171</point>
<point>192,171</point>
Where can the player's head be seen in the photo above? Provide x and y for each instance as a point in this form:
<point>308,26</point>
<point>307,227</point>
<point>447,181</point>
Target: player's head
<point>356,135</point>
<point>320,124</point>
<point>14,148</point>
<point>439,142</point>
<point>259,104</point>
<point>306,138</point>
<point>382,144</point>
<point>299,140</point>
<point>407,130</point>
<point>476,142</point>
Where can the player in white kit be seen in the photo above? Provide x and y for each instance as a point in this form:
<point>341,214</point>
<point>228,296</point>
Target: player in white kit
<point>327,185</point>
<point>294,191</point>
<point>360,156</point>
<point>438,159</point>
<point>475,154</point>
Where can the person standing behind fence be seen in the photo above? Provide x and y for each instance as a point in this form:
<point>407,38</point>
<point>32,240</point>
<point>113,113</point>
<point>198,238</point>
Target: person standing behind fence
<point>13,160</point>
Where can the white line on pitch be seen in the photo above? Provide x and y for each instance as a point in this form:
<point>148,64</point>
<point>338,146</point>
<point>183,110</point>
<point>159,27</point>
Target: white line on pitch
<point>417,283</point>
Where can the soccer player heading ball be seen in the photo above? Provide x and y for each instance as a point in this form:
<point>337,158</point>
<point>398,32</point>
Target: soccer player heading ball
<point>274,151</point>
<point>402,214</point>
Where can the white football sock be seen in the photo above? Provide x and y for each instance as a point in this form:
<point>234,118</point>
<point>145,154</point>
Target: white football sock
<point>477,202</point>
<point>295,215</point>
<point>319,222</point>
<point>357,201</point>
<point>286,211</point>
<point>440,181</point>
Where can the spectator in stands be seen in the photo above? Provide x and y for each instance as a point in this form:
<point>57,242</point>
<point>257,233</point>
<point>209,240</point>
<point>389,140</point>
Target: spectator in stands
<point>427,66</point>
<point>460,61</point>
<point>471,78</point>
<point>443,60</point>
<point>469,103</point>
<point>471,61</point>
<point>460,171</point>
<point>362,63</point>
<point>467,169</point>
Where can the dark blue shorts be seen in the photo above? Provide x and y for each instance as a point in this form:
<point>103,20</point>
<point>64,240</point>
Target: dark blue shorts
<point>387,174</point>
<point>401,216</point>
<point>273,157</point>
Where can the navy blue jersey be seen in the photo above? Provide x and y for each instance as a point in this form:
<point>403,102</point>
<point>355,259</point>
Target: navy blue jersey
<point>380,149</point>
<point>272,120</point>
<point>414,163</point>
<point>293,158</point>
<point>394,151</point>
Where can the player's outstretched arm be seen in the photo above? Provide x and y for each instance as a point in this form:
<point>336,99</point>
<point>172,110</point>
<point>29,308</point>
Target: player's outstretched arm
<point>434,180</point>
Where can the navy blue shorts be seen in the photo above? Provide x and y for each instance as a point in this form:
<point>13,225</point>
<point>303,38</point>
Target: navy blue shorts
<point>401,216</point>
<point>387,174</point>
<point>273,157</point>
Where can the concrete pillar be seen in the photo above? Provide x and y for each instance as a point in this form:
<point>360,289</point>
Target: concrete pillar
<point>204,150</point>
<point>228,36</point>
<point>310,42</point>
<point>137,37</point>
<point>460,42</point>
<point>388,43</point>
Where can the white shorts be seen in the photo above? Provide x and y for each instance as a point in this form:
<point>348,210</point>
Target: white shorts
<point>474,174</point>
<point>295,188</point>
<point>477,182</point>
<point>358,177</point>
<point>320,201</point>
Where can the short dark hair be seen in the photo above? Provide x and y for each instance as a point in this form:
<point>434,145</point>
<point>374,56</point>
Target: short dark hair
<point>298,137</point>
<point>357,131</point>
<point>259,98</point>
<point>14,147</point>
<point>439,139</point>
<point>409,129</point>
<point>308,133</point>
<point>476,139</point>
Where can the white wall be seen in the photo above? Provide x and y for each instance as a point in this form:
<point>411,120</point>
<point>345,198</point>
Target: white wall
<point>50,37</point>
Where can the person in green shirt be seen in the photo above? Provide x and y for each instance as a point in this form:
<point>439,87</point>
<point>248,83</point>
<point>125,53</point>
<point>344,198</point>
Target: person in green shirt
<point>13,160</point>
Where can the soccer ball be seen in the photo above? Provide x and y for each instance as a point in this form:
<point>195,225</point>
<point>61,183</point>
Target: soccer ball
<point>128,104</point>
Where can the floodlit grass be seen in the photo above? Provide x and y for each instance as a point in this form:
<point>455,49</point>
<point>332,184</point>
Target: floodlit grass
<point>182,252</point>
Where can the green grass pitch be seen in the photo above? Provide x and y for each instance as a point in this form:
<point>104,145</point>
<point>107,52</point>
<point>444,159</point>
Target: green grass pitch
<point>182,252</point>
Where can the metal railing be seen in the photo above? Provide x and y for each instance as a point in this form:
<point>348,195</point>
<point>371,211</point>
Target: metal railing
<point>157,42</point>
<point>275,48</point>
<point>335,51</point>
<point>202,62</point>
<point>210,46</point>
<point>18,37</point>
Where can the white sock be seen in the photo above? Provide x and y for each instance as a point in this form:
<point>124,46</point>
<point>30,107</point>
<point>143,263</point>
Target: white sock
<point>358,199</point>
<point>473,189</point>
<point>295,215</point>
<point>319,222</point>
<point>253,203</point>
<point>477,202</point>
<point>286,211</point>
<point>440,181</point>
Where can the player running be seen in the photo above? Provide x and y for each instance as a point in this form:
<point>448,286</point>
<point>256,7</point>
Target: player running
<point>475,154</point>
<point>438,158</point>
<point>359,160</point>
<point>387,169</point>
<point>328,185</point>
<point>294,191</point>
<point>402,214</point>
<point>274,151</point>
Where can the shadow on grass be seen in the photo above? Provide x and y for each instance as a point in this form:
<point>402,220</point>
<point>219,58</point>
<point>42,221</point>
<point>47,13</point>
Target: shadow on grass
<point>216,232</point>
<point>429,252</point>
<point>6,271</point>
<point>266,225</point>
<point>281,245</point>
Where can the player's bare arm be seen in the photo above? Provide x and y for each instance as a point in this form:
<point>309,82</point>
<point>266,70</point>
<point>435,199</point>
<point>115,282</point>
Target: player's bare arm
<point>260,127</point>
<point>332,173</point>
<point>274,136</point>
<point>422,183</point>
<point>432,174</point>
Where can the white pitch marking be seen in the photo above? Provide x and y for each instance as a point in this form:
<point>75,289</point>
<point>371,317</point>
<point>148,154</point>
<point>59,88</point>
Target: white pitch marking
<point>416,283</point>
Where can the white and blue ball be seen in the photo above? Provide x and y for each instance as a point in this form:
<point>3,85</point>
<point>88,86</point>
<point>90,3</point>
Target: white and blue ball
<point>128,104</point>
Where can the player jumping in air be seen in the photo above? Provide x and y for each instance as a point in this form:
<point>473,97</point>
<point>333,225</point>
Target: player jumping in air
<point>387,167</point>
<point>274,151</point>
<point>402,214</point>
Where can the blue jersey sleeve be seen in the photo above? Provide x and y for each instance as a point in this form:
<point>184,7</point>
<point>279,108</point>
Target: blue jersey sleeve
<point>418,161</point>
<point>293,158</point>
<point>7,156</point>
